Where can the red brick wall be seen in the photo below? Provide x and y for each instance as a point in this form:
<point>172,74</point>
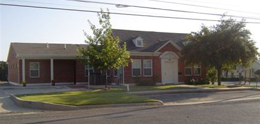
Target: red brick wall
<point>44,71</point>
<point>12,66</point>
<point>156,70</point>
<point>63,71</point>
<point>182,77</point>
<point>157,67</point>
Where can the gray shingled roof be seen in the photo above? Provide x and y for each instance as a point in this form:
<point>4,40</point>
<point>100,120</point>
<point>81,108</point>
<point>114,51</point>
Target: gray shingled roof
<point>41,49</point>
<point>151,40</point>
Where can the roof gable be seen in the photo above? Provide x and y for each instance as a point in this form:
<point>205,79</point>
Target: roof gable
<point>152,41</point>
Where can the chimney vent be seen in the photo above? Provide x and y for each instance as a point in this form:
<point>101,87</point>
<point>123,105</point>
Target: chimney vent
<point>65,46</point>
<point>47,45</point>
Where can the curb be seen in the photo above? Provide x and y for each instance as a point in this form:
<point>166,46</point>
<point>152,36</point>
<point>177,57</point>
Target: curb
<point>57,107</point>
<point>188,91</point>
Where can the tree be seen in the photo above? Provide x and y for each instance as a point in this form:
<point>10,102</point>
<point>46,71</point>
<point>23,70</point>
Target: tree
<point>3,66</point>
<point>223,45</point>
<point>103,51</point>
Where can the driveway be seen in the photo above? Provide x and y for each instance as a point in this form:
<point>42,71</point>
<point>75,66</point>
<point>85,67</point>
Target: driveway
<point>7,105</point>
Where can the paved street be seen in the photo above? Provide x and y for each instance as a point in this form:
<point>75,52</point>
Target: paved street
<point>246,112</point>
<point>207,96</point>
<point>232,107</point>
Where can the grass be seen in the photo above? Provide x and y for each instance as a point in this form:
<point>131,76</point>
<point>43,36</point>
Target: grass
<point>79,98</point>
<point>150,88</point>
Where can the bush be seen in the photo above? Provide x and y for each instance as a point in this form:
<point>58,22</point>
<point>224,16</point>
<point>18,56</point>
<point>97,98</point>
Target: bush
<point>196,81</point>
<point>211,75</point>
<point>144,82</point>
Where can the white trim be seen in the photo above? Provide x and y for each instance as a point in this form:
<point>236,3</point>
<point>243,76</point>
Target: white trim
<point>52,70</point>
<point>185,70</point>
<point>108,74</point>
<point>114,72</point>
<point>148,68</point>
<point>35,69</point>
<point>47,56</point>
<point>87,68</point>
<point>139,38</point>
<point>194,70</point>
<point>172,43</point>
<point>169,56</point>
<point>137,68</point>
<point>123,75</point>
<point>145,53</point>
<point>23,69</point>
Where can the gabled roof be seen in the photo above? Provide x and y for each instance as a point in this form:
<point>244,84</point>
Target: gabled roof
<point>151,40</point>
<point>41,49</point>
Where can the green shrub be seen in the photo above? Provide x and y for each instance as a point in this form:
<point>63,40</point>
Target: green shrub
<point>196,81</point>
<point>211,75</point>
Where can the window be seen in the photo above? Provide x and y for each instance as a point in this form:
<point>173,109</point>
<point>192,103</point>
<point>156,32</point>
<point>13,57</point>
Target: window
<point>187,70</point>
<point>91,70</point>
<point>197,69</point>
<point>115,72</point>
<point>34,69</point>
<point>136,68</point>
<point>147,66</point>
<point>139,43</point>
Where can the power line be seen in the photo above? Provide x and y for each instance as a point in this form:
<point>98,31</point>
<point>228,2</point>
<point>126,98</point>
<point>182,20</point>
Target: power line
<point>114,13</point>
<point>234,10</point>
<point>155,8</point>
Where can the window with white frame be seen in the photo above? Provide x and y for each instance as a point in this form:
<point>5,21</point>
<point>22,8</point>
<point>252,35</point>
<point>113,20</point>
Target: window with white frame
<point>136,68</point>
<point>197,69</point>
<point>34,69</point>
<point>91,70</point>
<point>147,67</point>
<point>115,72</point>
<point>187,70</point>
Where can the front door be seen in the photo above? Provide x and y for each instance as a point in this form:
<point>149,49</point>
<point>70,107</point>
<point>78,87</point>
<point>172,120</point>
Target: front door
<point>169,64</point>
<point>169,74</point>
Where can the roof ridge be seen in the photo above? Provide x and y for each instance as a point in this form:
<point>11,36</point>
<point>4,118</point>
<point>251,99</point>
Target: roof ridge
<point>150,31</point>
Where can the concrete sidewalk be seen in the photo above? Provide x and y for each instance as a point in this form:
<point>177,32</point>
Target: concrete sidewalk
<point>194,90</point>
<point>206,97</point>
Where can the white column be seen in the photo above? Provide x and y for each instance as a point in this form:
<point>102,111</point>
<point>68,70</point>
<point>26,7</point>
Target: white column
<point>52,70</point>
<point>123,74</point>
<point>23,69</point>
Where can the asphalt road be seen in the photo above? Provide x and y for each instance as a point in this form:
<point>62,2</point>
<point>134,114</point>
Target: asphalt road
<point>239,112</point>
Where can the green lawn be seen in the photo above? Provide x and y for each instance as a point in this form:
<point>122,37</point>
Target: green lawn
<point>79,98</point>
<point>149,88</point>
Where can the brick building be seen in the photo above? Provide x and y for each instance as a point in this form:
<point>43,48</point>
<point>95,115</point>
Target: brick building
<point>155,57</point>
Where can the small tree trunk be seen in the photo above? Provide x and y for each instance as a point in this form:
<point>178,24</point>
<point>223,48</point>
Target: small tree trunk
<point>219,76</point>
<point>106,80</point>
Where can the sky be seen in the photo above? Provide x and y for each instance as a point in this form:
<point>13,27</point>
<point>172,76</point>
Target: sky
<point>55,26</point>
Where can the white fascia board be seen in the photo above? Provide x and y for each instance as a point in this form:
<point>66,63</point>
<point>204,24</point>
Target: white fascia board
<point>48,56</point>
<point>145,53</point>
<point>174,44</point>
